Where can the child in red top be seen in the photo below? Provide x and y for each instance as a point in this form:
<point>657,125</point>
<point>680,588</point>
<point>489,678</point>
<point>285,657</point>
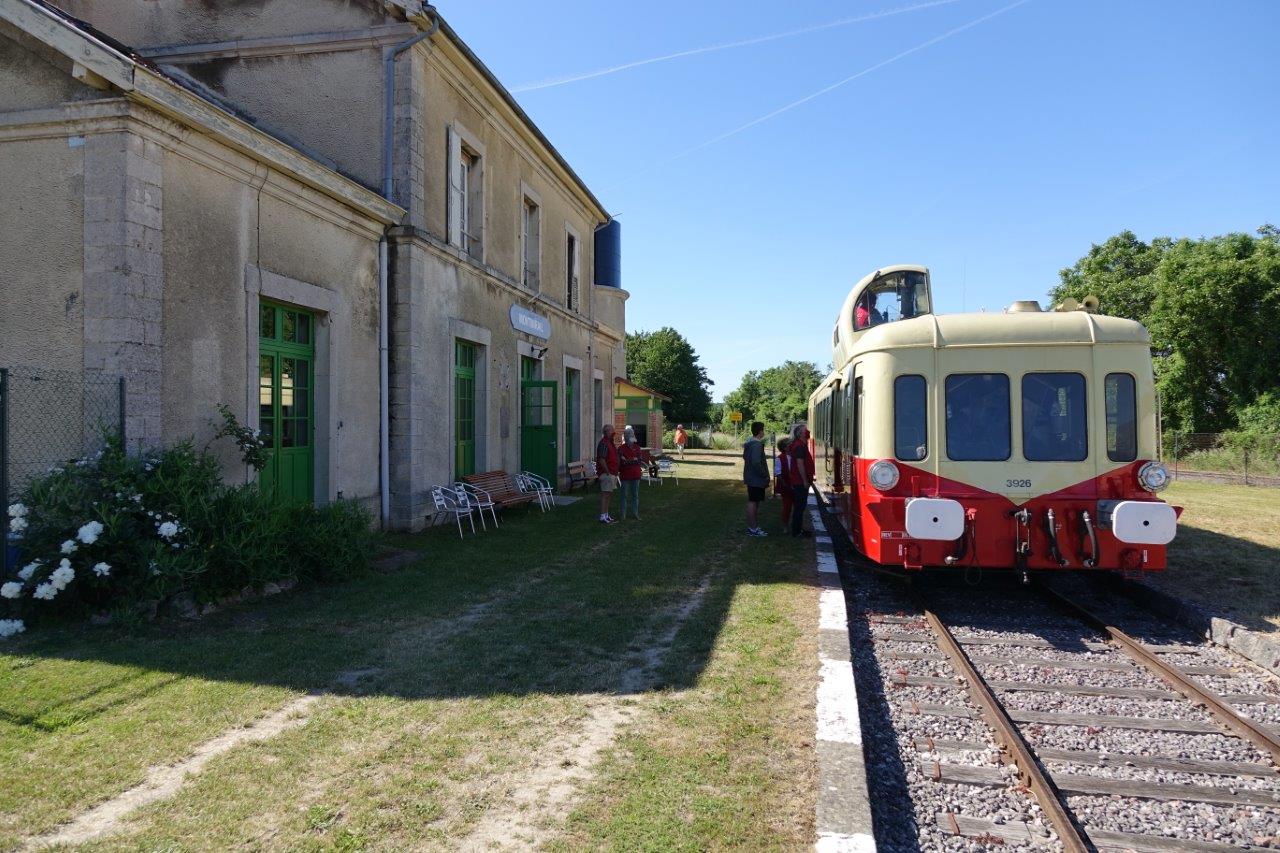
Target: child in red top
<point>631,460</point>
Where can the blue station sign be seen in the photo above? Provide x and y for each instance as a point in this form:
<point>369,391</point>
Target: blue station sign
<point>524,320</point>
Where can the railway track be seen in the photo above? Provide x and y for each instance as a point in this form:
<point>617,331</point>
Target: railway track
<point>1027,719</point>
<point>1048,691</point>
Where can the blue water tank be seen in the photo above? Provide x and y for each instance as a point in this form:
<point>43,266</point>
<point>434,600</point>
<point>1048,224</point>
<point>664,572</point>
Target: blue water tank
<point>609,254</point>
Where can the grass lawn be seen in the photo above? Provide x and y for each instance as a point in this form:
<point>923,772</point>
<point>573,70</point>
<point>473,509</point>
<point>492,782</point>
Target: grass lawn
<point>1227,554</point>
<point>651,683</point>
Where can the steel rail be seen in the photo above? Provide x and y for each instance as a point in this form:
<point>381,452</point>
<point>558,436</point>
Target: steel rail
<point>1046,793</point>
<point>1228,716</point>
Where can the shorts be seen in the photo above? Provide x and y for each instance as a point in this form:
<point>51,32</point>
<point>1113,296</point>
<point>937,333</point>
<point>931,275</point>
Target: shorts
<point>608,482</point>
<point>755,494</point>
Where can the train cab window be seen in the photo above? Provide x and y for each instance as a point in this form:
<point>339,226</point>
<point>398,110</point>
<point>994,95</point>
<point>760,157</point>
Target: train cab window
<point>978,427</point>
<point>898,296</point>
<point>1122,417</point>
<point>1054,424</point>
<point>910,418</point>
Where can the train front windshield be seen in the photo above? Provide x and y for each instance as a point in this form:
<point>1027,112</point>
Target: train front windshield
<point>897,296</point>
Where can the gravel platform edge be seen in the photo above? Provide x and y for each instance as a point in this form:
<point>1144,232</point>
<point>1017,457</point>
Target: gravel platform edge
<point>844,803</point>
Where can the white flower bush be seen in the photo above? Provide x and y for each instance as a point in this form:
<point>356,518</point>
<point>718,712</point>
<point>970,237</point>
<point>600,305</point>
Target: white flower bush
<point>89,533</point>
<point>126,534</point>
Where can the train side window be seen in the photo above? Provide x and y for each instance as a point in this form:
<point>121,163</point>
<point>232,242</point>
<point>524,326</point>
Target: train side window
<point>1055,426</point>
<point>910,418</point>
<point>978,422</point>
<point>857,416</point>
<point>1121,396</point>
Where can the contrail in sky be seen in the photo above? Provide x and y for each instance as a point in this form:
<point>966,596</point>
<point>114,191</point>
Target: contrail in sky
<point>836,85</point>
<point>601,72</point>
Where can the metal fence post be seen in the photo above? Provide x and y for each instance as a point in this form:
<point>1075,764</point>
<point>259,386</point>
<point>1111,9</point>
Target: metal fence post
<point>123,435</point>
<point>1246,466</point>
<point>1175,457</point>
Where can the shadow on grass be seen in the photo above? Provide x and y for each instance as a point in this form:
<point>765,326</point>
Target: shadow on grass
<point>549,603</point>
<point>1223,576</point>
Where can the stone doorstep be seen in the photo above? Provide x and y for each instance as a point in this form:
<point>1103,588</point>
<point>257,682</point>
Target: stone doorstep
<point>1258,648</point>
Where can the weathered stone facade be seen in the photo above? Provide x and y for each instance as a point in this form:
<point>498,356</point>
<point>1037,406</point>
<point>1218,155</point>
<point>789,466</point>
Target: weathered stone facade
<point>307,77</point>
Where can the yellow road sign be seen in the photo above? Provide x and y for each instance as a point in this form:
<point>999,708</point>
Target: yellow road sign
<point>736,417</point>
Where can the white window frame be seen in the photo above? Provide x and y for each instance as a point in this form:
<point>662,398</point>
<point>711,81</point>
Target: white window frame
<point>573,269</point>
<point>530,256</point>
<point>466,214</point>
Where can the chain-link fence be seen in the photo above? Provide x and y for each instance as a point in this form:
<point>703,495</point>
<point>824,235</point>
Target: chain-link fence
<point>1226,457</point>
<point>48,417</point>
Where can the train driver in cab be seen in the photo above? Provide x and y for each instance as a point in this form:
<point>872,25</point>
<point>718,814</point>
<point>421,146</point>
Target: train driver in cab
<point>867,314</point>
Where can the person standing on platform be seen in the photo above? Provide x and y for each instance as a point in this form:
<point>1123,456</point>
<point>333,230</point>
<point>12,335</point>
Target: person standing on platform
<point>755,473</point>
<point>783,472</point>
<point>607,469</point>
<point>801,476</point>
<point>631,459</point>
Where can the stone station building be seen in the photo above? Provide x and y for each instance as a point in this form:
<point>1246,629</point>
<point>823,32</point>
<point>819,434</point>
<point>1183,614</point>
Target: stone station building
<point>326,213</point>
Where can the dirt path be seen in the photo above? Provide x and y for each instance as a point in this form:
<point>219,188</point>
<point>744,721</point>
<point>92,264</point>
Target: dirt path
<point>162,782</point>
<point>532,803</point>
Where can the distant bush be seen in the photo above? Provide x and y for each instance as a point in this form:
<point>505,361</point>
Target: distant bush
<point>1226,452</point>
<point>113,531</point>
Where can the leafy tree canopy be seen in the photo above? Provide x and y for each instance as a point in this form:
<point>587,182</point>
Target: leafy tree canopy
<point>778,396</point>
<point>1212,306</point>
<point>666,362</point>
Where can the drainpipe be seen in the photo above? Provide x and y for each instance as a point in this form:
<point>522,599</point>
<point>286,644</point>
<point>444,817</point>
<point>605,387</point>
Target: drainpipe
<point>384,400</point>
<point>389,55</point>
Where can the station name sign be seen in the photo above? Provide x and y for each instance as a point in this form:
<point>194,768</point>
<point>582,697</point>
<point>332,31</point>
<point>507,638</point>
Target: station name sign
<point>524,320</point>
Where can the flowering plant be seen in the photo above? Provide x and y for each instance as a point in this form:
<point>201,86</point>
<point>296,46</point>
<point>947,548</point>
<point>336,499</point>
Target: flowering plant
<point>253,448</point>
<point>112,531</point>
<point>105,530</point>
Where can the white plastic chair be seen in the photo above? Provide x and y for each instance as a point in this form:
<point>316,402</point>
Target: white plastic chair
<point>446,503</point>
<point>479,500</point>
<point>668,467</point>
<point>528,485</point>
<point>545,491</point>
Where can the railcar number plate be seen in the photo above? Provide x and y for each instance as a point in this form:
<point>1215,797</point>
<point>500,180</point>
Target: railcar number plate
<point>1017,484</point>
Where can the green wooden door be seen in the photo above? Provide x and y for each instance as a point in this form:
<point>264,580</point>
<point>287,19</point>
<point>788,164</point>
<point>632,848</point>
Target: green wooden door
<point>538,428</point>
<point>464,408</point>
<point>286,401</point>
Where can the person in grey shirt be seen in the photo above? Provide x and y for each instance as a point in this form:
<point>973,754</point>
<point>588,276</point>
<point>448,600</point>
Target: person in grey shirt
<point>755,473</point>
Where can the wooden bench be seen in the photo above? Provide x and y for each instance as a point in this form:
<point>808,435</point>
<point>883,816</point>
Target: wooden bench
<point>583,472</point>
<point>501,487</point>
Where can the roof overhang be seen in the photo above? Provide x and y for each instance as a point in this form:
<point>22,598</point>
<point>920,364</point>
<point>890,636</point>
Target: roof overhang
<point>105,66</point>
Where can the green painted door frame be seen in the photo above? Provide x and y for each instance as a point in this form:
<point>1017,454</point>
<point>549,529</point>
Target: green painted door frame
<point>538,429</point>
<point>464,408</point>
<point>286,400</point>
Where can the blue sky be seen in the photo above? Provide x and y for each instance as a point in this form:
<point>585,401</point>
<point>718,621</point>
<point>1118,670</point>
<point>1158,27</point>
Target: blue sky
<point>993,148</point>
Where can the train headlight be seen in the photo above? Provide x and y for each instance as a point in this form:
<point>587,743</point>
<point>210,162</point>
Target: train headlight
<point>883,475</point>
<point>1153,477</point>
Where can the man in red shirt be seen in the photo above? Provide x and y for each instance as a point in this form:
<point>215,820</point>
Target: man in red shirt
<point>607,468</point>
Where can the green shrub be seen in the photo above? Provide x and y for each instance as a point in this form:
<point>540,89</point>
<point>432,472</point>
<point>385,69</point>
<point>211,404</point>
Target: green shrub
<point>113,531</point>
<point>333,542</point>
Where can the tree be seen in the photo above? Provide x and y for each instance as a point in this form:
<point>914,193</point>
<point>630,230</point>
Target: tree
<point>778,396</point>
<point>1212,306</point>
<point>666,362</point>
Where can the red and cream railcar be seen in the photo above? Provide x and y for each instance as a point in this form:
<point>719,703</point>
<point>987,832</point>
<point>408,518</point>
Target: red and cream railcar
<point>1026,439</point>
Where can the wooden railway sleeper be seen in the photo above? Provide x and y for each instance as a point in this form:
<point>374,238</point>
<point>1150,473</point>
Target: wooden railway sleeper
<point>1246,728</point>
<point>1015,747</point>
